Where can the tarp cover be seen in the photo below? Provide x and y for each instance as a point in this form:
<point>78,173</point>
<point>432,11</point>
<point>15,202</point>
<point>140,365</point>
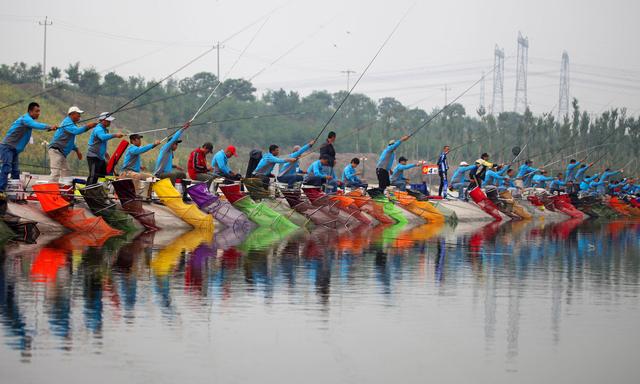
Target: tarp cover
<point>190,213</point>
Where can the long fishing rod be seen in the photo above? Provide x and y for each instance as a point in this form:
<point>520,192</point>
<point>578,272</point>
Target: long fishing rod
<point>324,127</point>
<point>32,96</point>
<point>269,65</point>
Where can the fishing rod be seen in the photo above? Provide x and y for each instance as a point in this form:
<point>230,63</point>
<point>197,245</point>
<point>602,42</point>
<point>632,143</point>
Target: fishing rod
<point>32,96</point>
<point>253,117</point>
<point>272,63</point>
<point>324,127</point>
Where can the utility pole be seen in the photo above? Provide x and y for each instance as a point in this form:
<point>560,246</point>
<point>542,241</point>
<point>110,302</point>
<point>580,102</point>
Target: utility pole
<point>446,90</point>
<point>563,101</point>
<point>218,46</point>
<point>45,23</point>
<point>520,102</point>
<point>497,101</point>
<point>348,72</point>
<point>482,91</point>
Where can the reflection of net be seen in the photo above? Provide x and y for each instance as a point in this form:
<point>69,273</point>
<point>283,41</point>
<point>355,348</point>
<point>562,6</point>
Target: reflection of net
<point>318,216</point>
<point>221,210</point>
<point>101,205</point>
<point>59,209</point>
<point>126,191</point>
<point>484,203</point>
<point>190,213</point>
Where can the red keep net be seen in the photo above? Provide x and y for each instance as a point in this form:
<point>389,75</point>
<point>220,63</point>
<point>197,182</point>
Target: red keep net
<point>232,192</point>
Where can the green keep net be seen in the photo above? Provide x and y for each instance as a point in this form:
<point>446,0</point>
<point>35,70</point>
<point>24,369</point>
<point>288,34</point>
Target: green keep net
<point>101,205</point>
<point>391,210</point>
<point>262,215</point>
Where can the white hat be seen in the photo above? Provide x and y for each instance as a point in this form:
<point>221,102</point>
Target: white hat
<point>106,116</point>
<point>392,142</point>
<point>75,109</point>
<point>463,164</point>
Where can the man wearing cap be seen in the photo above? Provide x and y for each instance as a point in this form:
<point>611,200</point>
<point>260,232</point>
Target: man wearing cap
<point>164,165</point>
<point>290,173</point>
<point>397,179</point>
<point>64,142</point>
<point>131,167</point>
<point>16,139</point>
<point>97,155</point>
<point>197,168</point>
<point>385,162</point>
<point>220,164</point>
<point>459,181</point>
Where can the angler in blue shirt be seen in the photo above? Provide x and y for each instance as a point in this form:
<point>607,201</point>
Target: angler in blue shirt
<point>558,184</point>
<point>131,166</point>
<point>16,139</point>
<point>605,177</point>
<point>385,162</point>
<point>265,166</point>
<point>580,173</point>
<point>459,181</point>
<point>443,169</point>
<point>507,182</point>
<point>350,175</point>
<point>496,174</point>
<point>572,170</point>
<point>164,164</point>
<point>317,174</point>
<point>220,164</point>
<point>526,172</point>
<point>398,179</point>
<point>64,142</point>
<point>97,155</point>
<point>540,181</point>
<point>290,172</point>
<point>584,184</point>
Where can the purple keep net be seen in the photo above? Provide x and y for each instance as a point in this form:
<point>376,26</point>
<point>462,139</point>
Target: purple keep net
<point>225,213</point>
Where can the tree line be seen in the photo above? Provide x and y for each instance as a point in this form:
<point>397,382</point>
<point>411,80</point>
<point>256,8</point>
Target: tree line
<point>364,125</point>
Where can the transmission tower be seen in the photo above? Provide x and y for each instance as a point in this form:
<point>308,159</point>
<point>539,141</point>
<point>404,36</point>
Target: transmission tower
<point>497,101</point>
<point>520,103</point>
<point>563,101</point>
<point>482,92</point>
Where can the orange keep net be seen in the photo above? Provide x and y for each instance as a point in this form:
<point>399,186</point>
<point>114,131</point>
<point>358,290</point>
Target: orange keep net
<point>619,206</point>
<point>423,209</point>
<point>59,209</point>
<point>371,207</point>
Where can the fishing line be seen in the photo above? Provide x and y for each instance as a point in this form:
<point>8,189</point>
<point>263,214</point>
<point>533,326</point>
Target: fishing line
<point>364,72</point>
<point>269,65</point>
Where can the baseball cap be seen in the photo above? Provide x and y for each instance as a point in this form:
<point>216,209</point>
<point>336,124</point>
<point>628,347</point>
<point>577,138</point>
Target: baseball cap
<point>74,109</point>
<point>392,142</point>
<point>232,149</point>
<point>106,116</point>
<point>135,136</point>
<point>463,163</point>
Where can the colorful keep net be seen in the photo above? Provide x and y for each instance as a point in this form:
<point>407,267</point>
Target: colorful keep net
<point>221,210</point>
<point>318,215</point>
<point>190,213</point>
<point>423,209</point>
<point>101,205</point>
<point>259,213</point>
<point>484,203</point>
<point>389,208</point>
<point>367,204</point>
<point>320,199</point>
<point>563,204</point>
<point>59,209</point>
<point>132,204</point>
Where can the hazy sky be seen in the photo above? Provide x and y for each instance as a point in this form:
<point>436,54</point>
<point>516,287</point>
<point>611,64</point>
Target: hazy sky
<point>440,42</point>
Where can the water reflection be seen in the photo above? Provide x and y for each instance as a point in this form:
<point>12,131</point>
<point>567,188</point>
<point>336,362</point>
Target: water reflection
<point>75,288</point>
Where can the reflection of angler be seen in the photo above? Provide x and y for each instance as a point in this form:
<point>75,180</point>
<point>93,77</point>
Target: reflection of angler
<point>442,253</point>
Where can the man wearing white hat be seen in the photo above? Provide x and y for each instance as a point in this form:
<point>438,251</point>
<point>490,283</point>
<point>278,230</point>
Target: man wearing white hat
<point>97,155</point>
<point>459,182</point>
<point>64,142</point>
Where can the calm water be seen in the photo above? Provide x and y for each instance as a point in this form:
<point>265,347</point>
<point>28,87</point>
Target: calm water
<point>512,303</point>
